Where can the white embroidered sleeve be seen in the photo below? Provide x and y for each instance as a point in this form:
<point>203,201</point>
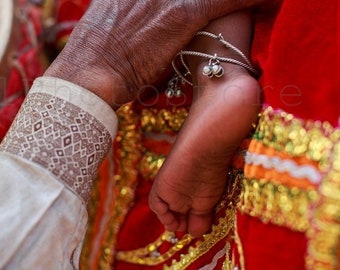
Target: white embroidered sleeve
<point>48,161</point>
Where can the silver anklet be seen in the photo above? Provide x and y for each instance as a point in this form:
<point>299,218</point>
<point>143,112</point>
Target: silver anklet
<point>212,69</point>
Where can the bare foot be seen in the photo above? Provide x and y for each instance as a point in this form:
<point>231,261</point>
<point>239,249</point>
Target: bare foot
<point>193,177</point>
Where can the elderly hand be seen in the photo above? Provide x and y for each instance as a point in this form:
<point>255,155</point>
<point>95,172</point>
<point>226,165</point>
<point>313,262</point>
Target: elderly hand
<point>120,46</point>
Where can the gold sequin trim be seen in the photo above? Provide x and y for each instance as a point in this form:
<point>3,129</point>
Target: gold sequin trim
<point>283,132</point>
<point>324,234</point>
<point>150,164</point>
<point>219,231</point>
<point>320,142</point>
<point>150,255</point>
<point>277,204</point>
<point>164,121</point>
<point>128,151</point>
<point>229,263</point>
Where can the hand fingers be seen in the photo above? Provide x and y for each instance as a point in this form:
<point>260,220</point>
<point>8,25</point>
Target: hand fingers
<point>199,224</point>
<point>171,220</point>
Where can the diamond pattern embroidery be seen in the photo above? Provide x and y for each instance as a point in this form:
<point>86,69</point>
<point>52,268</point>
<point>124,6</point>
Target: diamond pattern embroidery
<point>62,138</point>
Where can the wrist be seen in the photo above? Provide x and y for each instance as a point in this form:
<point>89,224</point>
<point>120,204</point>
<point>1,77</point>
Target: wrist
<point>100,80</point>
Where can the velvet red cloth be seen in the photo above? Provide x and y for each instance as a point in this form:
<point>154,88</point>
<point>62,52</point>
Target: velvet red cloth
<point>297,52</point>
<point>268,247</point>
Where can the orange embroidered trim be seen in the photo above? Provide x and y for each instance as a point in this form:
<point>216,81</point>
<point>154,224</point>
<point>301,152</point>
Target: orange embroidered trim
<point>320,143</point>
<point>285,133</point>
<point>260,172</point>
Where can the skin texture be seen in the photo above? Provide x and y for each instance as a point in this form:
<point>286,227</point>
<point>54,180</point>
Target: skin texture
<point>101,57</point>
<point>101,53</point>
<point>192,179</point>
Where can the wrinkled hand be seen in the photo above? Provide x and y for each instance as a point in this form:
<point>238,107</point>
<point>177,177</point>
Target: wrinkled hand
<point>120,46</point>
<point>193,177</point>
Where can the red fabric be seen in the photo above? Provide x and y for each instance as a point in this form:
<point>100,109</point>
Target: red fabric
<point>141,227</point>
<point>269,247</point>
<point>299,59</point>
<point>68,13</point>
<point>140,222</point>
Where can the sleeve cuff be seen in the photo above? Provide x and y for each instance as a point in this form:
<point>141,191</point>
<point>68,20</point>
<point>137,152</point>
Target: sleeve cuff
<point>65,129</point>
<point>79,97</point>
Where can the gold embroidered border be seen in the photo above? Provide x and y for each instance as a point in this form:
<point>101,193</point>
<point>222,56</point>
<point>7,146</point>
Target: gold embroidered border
<point>150,164</point>
<point>128,144</point>
<point>164,121</point>
<point>320,142</point>
<point>219,231</point>
<point>283,132</point>
<point>277,204</point>
<point>270,202</point>
<point>324,234</point>
<point>149,255</point>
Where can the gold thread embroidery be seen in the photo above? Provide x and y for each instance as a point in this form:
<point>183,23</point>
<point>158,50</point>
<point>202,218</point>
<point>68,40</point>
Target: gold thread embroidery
<point>149,255</point>
<point>128,146</point>
<point>150,164</point>
<point>228,263</point>
<point>277,204</point>
<point>323,250</point>
<point>320,142</point>
<point>219,231</point>
<point>154,120</point>
<point>283,132</point>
